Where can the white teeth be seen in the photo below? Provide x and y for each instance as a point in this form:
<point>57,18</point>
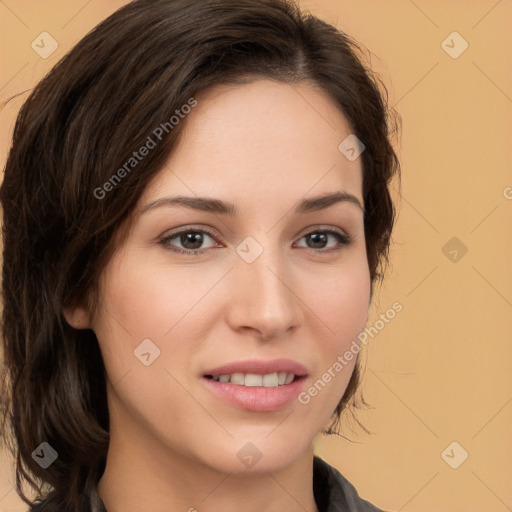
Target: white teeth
<point>271,380</point>
<point>253,380</point>
<point>238,378</point>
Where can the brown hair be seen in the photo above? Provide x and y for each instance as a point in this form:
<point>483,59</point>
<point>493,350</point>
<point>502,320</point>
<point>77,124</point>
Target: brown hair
<point>79,125</point>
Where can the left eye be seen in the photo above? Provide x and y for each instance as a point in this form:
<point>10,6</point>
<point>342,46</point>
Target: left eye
<point>321,236</point>
<point>191,241</point>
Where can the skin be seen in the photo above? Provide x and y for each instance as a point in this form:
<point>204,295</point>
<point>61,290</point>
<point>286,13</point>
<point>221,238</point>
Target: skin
<point>263,146</point>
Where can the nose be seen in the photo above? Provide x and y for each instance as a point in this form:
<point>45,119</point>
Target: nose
<point>263,299</point>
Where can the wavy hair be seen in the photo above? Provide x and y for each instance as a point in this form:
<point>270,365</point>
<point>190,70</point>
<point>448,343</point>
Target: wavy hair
<point>95,107</point>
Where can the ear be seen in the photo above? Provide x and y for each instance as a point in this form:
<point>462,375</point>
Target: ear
<point>77,317</point>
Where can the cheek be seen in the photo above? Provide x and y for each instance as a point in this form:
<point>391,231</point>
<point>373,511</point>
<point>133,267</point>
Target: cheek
<point>143,302</point>
<point>341,300</point>
<point>149,299</point>
<point>342,305</point>
<point>353,295</point>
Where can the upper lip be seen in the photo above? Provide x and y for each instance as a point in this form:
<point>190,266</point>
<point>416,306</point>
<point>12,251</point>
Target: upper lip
<point>259,367</point>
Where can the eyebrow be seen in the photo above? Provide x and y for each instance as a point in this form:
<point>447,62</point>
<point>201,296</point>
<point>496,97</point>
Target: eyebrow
<point>206,204</point>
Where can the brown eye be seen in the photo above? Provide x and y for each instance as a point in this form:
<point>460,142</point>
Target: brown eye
<point>190,239</point>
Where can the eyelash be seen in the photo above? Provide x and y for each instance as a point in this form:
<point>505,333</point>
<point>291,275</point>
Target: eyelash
<point>343,240</point>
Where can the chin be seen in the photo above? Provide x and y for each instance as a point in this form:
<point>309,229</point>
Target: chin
<point>255,454</point>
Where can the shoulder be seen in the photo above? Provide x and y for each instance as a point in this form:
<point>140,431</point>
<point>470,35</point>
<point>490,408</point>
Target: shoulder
<point>334,493</point>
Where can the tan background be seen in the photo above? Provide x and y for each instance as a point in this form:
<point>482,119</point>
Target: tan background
<point>440,371</point>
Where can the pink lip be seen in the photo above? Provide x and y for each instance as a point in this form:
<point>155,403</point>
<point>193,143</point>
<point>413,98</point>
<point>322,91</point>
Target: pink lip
<point>257,398</point>
<point>259,367</point>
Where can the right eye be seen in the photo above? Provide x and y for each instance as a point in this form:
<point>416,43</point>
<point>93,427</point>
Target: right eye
<point>193,238</point>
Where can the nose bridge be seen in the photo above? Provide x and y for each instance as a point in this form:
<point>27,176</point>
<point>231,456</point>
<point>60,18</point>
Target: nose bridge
<point>263,296</point>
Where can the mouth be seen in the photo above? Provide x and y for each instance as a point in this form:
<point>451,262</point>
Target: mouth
<point>258,385</point>
<point>269,380</point>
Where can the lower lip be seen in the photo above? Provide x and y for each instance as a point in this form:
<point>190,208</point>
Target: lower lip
<point>256,398</point>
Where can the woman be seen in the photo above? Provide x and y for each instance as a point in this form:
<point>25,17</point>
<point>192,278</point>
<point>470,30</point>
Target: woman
<point>196,212</point>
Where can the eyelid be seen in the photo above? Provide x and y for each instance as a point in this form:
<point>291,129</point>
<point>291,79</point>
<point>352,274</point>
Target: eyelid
<point>322,227</point>
<point>190,227</point>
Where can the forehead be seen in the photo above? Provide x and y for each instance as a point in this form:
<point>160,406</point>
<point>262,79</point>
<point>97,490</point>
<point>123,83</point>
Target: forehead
<point>260,141</point>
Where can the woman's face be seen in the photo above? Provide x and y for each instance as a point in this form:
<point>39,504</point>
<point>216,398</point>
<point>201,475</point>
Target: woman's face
<point>266,290</point>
